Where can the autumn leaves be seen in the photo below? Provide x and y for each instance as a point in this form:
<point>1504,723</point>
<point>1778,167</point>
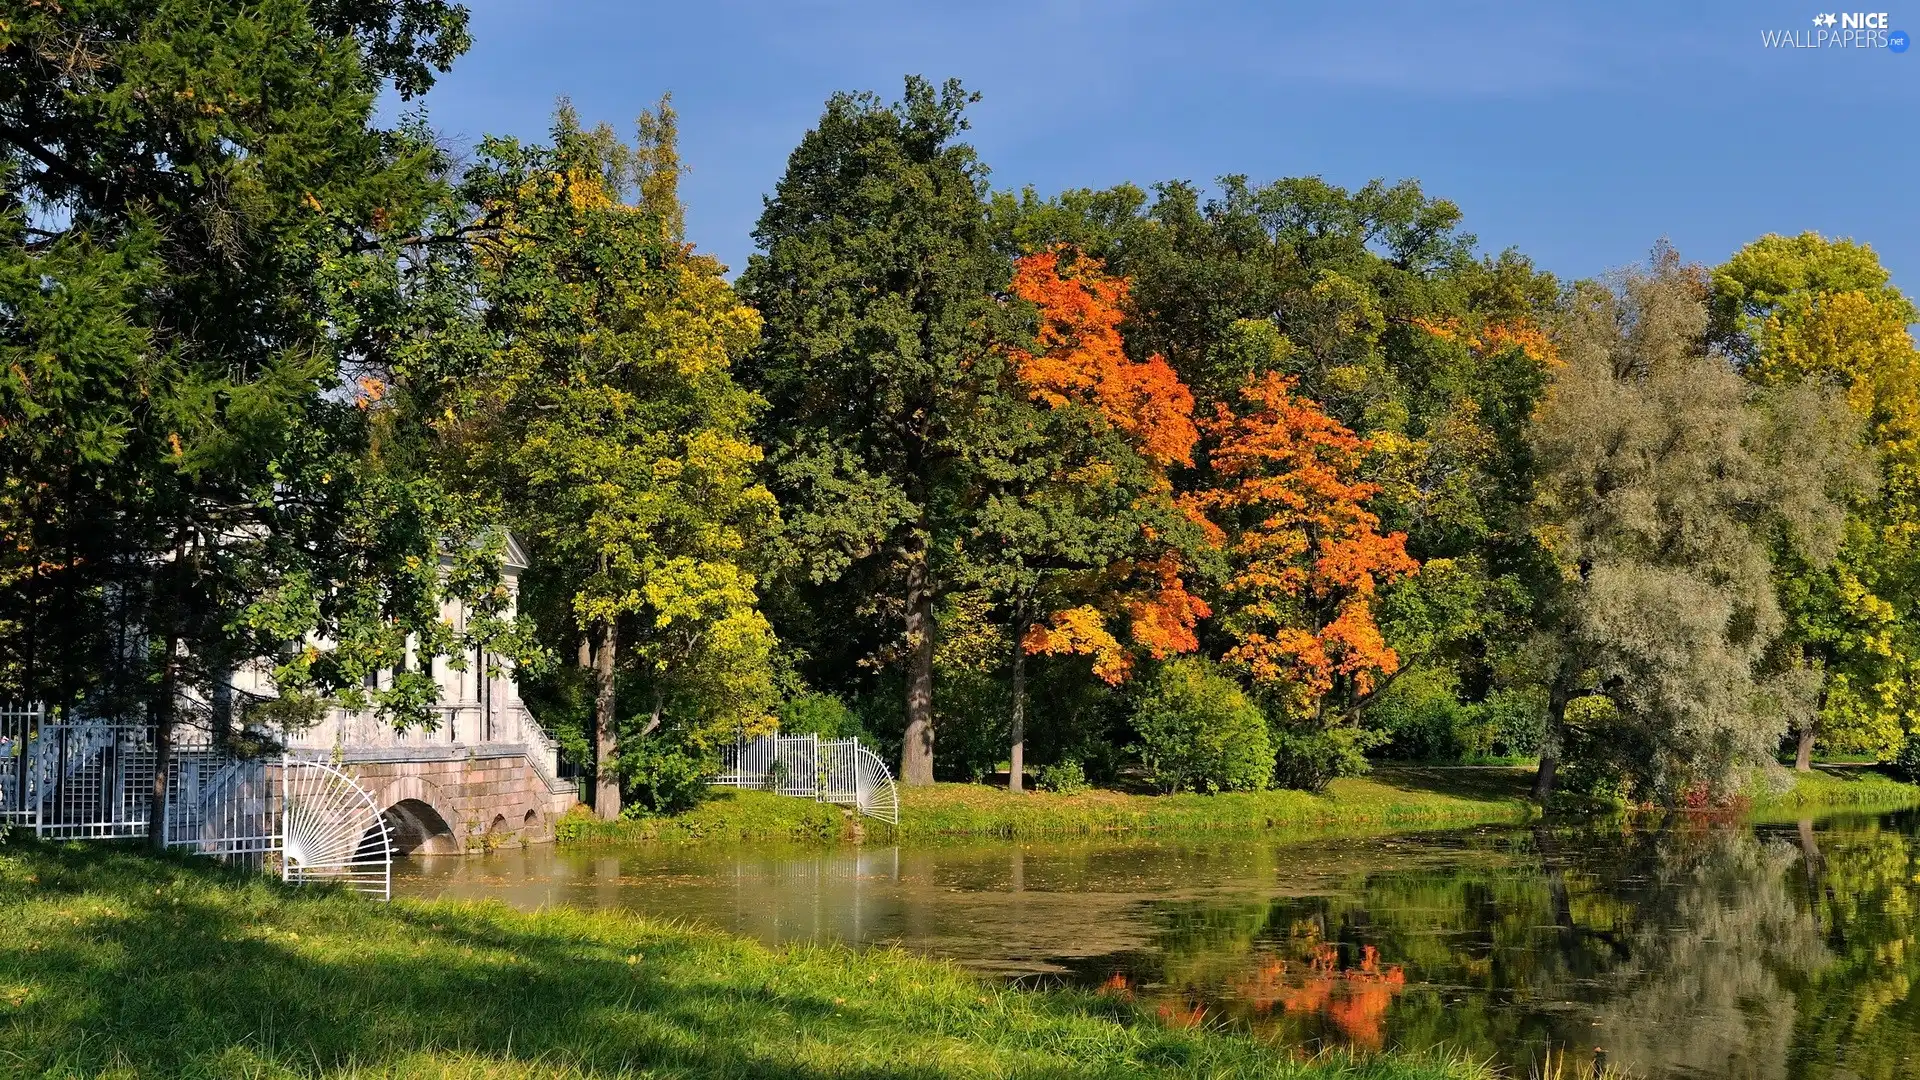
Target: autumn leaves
<point>1284,538</point>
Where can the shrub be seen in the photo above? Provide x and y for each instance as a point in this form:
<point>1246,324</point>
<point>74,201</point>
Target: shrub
<point>1310,760</point>
<point>1421,718</point>
<point>1064,778</point>
<point>1518,717</point>
<point>1607,761</point>
<point>574,823</point>
<point>1199,732</point>
<point>663,777</point>
<point>824,715</point>
<point>1906,764</point>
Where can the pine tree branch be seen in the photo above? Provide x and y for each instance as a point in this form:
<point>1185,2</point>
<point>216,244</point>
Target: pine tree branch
<point>57,165</point>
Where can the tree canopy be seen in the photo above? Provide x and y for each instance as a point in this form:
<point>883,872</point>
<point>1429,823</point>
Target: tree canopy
<point>1106,481</point>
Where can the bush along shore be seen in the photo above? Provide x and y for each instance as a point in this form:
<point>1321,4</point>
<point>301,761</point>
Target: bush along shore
<point>117,964</point>
<point>1391,799</point>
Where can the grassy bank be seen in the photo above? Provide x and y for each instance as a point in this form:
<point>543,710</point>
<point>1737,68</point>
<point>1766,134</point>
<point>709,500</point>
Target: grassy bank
<point>1829,788</point>
<point>1397,797</point>
<point>113,964</point>
<point>1390,798</point>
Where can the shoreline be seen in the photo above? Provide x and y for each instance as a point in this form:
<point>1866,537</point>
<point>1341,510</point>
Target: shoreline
<point>1392,798</point>
<point>118,963</point>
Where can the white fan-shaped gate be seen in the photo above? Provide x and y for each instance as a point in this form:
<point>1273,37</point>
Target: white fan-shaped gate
<point>831,770</point>
<point>332,830</point>
<point>873,792</point>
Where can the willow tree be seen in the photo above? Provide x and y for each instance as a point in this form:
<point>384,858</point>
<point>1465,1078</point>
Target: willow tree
<point>609,421</point>
<point>1666,483</point>
<point>876,279</point>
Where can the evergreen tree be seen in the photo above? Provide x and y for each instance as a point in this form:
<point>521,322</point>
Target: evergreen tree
<point>192,194</point>
<point>876,278</point>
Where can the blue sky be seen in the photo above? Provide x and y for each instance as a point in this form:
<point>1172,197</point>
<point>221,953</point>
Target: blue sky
<point>1578,133</point>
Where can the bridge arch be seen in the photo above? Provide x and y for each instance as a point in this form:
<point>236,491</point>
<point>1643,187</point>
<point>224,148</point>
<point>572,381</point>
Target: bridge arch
<point>416,828</point>
<point>420,820</point>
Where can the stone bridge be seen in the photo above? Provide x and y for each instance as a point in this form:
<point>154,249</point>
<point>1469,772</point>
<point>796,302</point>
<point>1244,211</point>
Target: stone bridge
<point>484,775</point>
<point>457,799</point>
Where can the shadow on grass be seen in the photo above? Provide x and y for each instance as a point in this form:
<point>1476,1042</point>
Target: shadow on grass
<point>1485,782</point>
<point>1856,771</point>
<point>117,963</point>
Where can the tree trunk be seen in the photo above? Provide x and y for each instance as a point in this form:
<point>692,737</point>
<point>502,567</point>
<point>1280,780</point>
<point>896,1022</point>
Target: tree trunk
<point>1552,746</point>
<point>916,750</point>
<point>1811,863</point>
<point>1809,729</point>
<point>659,711</point>
<point>1016,780</point>
<point>606,786</point>
<point>165,695</point>
<point>220,706</point>
<point>162,746</point>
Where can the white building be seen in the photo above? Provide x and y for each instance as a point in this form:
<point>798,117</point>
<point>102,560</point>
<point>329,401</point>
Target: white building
<point>475,710</point>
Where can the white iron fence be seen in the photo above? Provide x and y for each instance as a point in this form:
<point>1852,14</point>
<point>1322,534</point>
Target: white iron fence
<point>74,779</point>
<point>87,779</point>
<point>838,771</point>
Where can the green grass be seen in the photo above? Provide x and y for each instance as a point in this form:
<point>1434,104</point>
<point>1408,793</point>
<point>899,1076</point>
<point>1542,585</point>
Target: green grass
<point>116,964</point>
<point>1828,788</point>
<point>1390,798</point>
<point>727,815</point>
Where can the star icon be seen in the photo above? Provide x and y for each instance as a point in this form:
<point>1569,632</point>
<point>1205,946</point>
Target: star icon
<point>1831,20</point>
<point>1819,20</point>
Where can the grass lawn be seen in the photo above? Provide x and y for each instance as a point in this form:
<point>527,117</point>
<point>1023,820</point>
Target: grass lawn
<point>1835,788</point>
<point>115,964</point>
<point>1390,798</point>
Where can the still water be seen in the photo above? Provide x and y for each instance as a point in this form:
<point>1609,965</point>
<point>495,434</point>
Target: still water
<point>1677,949</point>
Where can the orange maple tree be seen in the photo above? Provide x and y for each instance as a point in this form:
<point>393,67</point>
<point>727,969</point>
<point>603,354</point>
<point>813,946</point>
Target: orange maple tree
<point>1082,359</point>
<point>1308,556</point>
<point>1079,362</point>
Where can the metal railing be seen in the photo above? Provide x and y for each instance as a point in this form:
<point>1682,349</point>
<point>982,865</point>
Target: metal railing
<point>223,806</point>
<point>75,779</point>
<point>331,830</point>
<point>90,779</point>
<point>838,771</point>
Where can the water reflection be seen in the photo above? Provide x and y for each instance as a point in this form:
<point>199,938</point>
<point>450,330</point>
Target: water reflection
<point>1682,949</point>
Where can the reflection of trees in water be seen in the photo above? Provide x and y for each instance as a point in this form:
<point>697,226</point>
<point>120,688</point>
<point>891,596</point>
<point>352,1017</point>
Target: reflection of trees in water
<point>1681,950</point>
<point>1718,936</point>
<point>1859,1016</point>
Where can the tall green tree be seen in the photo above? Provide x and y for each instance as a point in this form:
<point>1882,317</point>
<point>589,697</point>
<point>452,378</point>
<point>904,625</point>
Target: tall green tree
<point>609,420</point>
<point>192,192</point>
<point>1666,484</point>
<point>876,278</point>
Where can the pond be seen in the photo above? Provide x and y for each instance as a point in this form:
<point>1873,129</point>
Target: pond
<point>1675,949</point>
